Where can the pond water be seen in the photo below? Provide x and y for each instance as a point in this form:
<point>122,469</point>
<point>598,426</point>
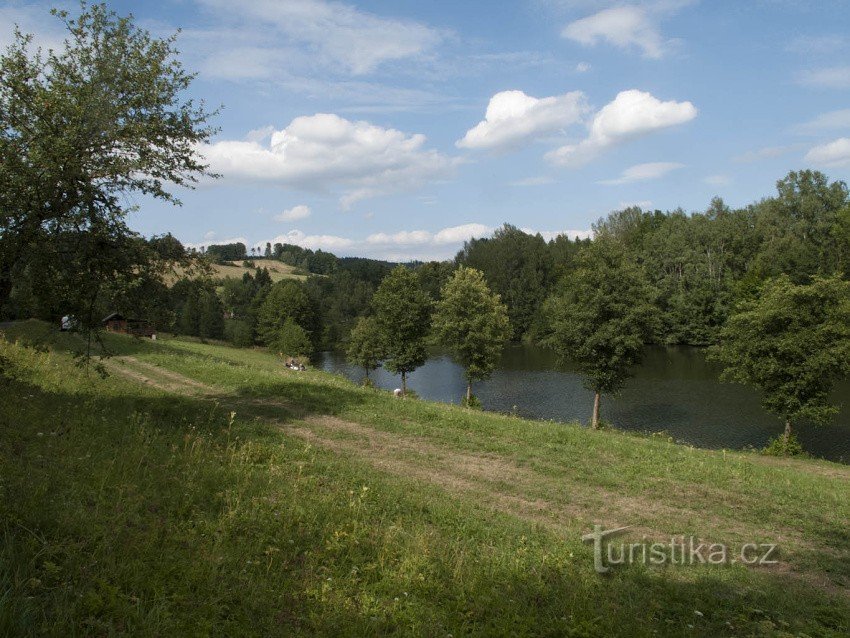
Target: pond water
<point>675,389</point>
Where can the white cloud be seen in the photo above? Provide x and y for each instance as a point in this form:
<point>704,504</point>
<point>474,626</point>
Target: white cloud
<point>582,67</point>
<point>210,234</point>
<point>626,27</point>
<point>643,172</point>
<point>826,121</point>
<point>514,118</point>
<point>333,32</point>
<point>643,204</point>
<point>451,235</point>
<point>717,180</point>
<point>835,153</point>
<point>313,242</point>
<point>836,77</point>
<point>325,152</point>
<point>630,115</point>
<point>533,181</point>
<point>767,152</point>
<point>291,214</point>
<point>817,44</point>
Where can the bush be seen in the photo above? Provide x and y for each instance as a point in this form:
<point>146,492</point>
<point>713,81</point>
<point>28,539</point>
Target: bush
<point>474,403</point>
<point>239,333</point>
<point>779,446</point>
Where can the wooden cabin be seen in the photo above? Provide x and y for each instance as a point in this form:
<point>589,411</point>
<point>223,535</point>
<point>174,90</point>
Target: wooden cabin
<point>117,322</point>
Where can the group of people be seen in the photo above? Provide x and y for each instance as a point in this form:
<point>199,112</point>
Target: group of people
<point>293,364</point>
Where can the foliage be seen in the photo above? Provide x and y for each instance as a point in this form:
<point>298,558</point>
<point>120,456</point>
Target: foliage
<point>402,312</point>
<point>239,332</point>
<point>82,129</point>
<point>518,267</point>
<point>223,253</point>
<point>366,345</point>
<point>600,316</point>
<point>210,316</point>
<point>792,342</point>
<point>131,510</point>
<point>784,446</point>
<point>291,340</point>
<point>472,323</point>
<point>286,299</point>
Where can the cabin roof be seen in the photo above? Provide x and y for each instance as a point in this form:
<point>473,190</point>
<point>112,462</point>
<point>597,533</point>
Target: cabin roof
<point>115,316</point>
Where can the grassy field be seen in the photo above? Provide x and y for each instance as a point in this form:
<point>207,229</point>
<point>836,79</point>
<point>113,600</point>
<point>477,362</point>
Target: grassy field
<point>234,270</point>
<point>204,490</point>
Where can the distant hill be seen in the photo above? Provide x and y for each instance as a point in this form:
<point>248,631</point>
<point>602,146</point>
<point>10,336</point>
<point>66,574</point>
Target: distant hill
<point>234,270</point>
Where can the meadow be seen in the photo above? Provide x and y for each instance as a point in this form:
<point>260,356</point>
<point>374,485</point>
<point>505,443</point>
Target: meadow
<point>202,490</point>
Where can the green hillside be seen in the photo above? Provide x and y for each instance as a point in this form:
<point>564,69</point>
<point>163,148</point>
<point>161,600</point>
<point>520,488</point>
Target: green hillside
<point>205,490</point>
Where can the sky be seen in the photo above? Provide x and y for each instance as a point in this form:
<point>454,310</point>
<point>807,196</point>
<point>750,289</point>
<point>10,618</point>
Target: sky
<point>397,129</point>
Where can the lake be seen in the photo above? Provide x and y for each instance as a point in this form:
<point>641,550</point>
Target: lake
<point>675,389</point>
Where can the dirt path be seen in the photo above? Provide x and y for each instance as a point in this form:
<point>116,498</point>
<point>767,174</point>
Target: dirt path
<point>497,482</point>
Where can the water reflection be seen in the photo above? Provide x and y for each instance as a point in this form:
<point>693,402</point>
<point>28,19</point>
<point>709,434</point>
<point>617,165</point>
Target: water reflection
<point>675,389</point>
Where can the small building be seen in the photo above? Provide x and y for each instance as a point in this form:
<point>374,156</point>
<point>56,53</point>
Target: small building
<point>117,322</point>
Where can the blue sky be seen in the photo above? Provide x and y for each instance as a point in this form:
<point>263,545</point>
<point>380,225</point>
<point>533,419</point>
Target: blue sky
<point>397,129</point>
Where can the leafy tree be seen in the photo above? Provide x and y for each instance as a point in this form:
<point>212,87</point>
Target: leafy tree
<point>239,332</point>
<point>291,340</point>
<point>286,300</point>
<point>518,267</point>
<point>190,316</point>
<point>791,343</point>
<point>599,317</point>
<point>83,129</point>
<point>472,323</point>
<point>366,345</point>
<point>401,311</point>
<point>210,316</point>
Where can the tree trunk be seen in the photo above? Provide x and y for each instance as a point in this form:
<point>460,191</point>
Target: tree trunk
<point>468,393</point>
<point>786,436</point>
<point>403,385</point>
<point>594,421</point>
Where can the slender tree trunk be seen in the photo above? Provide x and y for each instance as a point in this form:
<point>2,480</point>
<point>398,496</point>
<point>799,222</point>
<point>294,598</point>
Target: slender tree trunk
<point>786,436</point>
<point>403,385</point>
<point>468,393</point>
<point>594,421</point>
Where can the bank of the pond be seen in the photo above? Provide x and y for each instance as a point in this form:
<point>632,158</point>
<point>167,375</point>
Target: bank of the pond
<point>675,390</point>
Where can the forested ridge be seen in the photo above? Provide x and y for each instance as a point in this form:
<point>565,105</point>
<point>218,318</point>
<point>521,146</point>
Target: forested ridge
<point>698,266</point>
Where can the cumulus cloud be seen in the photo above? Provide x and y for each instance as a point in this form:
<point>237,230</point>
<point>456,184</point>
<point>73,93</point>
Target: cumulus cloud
<point>643,172</point>
<point>759,154</point>
<point>291,214</point>
<point>630,115</point>
<point>832,154</point>
<point>450,235</point>
<point>514,118</point>
<point>836,77</point>
<point>335,33</point>
<point>717,180</point>
<point>627,26</point>
<point>325,152</point>
<point>533,181</point>
<point>826,121</point>
<point>313,242</point>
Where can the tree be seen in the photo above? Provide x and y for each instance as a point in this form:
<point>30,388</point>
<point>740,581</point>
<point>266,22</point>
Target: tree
<point>402,310</point>
<point>366,345</point>
<point>291,340</point>
<point>791,343</point>
<point>472,323</point>
<point>599,317</point>
<point>286,300</point>
<point>83,129</point>
<point>210,316</point>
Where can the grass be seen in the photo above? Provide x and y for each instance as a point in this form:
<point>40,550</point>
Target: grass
<point>203,490</point>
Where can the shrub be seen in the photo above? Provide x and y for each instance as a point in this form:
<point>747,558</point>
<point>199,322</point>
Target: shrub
<point>780,446</point>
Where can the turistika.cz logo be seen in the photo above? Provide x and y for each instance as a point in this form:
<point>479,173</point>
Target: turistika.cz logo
<point>679,551</point>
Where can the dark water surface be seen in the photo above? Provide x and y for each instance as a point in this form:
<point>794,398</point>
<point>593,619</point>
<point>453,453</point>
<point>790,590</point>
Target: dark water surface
<point>675,390</point>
